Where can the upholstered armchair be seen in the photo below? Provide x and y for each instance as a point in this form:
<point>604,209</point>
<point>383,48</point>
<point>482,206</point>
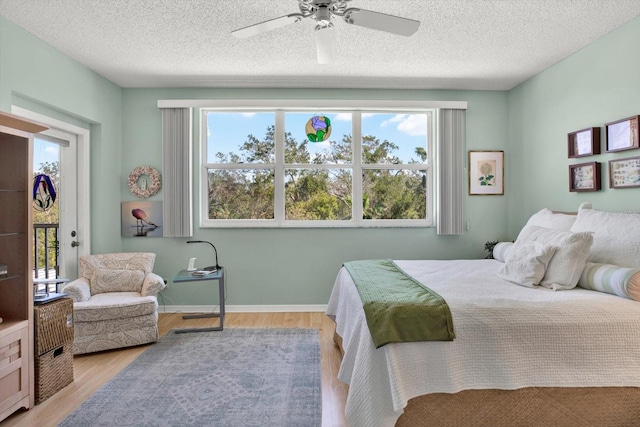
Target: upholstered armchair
<point>115,301</point>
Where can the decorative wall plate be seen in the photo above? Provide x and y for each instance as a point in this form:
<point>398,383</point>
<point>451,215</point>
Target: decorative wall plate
<point>138,181</point>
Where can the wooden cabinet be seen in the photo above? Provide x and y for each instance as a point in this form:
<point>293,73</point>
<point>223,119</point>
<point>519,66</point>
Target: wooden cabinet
<point>16,289</point>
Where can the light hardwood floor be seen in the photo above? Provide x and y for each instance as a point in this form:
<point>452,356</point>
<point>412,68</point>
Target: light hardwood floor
<point>94,370</point>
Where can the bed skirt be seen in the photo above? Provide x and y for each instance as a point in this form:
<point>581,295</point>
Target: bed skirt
<point>530,406</point>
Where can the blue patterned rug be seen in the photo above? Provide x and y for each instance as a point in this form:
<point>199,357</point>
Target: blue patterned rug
<point>236,377</point>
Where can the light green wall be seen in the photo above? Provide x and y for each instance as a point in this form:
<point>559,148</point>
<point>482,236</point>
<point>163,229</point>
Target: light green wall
<point>598,84</point>
<point>298,266</point>
<point>35,76</point>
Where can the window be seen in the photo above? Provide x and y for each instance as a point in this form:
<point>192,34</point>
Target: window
<point>328,168</point>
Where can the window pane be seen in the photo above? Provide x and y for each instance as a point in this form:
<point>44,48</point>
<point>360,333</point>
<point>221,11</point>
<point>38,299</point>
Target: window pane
<point>299,133</point>
<point>318,194</point>
<point>241,194</point>
<point>394,138</point>
<point>240,137</point>
<point>394,194</point>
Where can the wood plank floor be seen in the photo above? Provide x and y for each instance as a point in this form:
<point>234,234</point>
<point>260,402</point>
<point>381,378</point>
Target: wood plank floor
<point>94,370</point>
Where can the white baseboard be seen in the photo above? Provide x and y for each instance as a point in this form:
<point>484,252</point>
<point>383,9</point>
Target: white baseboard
<point>243,308</point>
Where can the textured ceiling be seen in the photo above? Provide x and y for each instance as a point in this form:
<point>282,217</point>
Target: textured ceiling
<point>461,44</point>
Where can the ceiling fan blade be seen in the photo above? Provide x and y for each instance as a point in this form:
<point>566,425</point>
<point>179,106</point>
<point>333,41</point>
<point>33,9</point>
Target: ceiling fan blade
<point>381,21</point>
<point>325,46</point>
<point>265,26</point>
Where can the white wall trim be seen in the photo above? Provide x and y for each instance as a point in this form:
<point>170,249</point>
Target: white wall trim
<point>243,308</point>
<point>309,104</point>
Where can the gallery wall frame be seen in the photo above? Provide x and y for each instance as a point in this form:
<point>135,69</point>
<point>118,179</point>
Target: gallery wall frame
<point>584,177</point>
<point>584,142</point>
<point>486,173</point>
<point>624,173</point>
<point>622,134</point>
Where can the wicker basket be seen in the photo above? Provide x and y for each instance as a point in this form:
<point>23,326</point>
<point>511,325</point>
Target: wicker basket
<point>53,325</point>
<point>54,370</point>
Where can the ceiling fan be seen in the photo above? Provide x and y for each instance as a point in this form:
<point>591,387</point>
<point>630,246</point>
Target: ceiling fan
<point>322,11</point>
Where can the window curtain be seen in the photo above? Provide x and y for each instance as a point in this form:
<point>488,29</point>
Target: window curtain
<point>177,175</point>
<point>451,167</point>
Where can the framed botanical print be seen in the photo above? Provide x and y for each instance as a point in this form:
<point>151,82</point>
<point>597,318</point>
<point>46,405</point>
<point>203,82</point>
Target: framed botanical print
<point>486,173</point>
<point>624,173</point>
<point>623,134</point>
<point>584,177</point>
<point>585,142</point>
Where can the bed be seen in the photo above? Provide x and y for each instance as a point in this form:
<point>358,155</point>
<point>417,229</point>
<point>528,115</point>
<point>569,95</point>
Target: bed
<point>541,332</point>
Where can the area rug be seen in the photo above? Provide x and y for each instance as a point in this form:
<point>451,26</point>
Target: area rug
<point>235,377</point>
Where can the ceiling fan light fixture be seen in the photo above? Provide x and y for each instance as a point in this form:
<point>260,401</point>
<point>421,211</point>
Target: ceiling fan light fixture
<point>322,11</point>
<point>323,15</point>
<point>325,46</point>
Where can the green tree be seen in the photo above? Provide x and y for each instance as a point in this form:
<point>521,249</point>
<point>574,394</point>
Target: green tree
<point>316,194</point>
<point>244,193</point>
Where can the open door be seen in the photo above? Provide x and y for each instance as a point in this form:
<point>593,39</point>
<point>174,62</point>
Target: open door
<point>60,198</point>
<point>55,210</point>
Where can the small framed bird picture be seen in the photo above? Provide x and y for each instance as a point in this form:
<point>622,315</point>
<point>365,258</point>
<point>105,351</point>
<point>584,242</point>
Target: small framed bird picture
<point>142,219</point>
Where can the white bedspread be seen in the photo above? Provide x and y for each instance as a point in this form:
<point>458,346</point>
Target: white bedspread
<point>507,337</point>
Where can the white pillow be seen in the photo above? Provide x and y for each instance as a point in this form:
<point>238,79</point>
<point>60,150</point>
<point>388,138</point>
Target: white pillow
<point>616,238</point>
<point>572,250</point>
<point>501,251</point>
<point>526,263</point>
<point>555,221</point>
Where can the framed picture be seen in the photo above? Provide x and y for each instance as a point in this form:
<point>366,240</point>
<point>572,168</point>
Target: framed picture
<point>584,177</point>
<point>585,142</point>
<point>486,173</point>
<point>624,173</point>
<point>622,134</point>
<point>141,219</point>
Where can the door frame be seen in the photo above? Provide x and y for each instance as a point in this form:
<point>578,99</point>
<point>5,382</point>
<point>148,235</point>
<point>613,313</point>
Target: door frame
<point>83,171</point>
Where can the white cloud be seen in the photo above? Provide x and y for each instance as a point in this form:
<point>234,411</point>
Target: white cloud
<point>394,119</point>
<point>411,124</point>
<point>248,114</point>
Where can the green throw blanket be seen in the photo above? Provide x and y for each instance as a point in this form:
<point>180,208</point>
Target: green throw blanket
<point>397,307</point>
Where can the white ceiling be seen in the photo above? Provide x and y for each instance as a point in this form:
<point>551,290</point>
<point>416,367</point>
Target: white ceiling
<point>461,44</point>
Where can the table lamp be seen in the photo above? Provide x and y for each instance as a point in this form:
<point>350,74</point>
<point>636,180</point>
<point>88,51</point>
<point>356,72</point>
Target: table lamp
<point>212,267</point>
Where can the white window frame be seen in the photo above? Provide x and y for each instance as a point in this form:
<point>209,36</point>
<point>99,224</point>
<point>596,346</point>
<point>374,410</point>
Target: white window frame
<point>357,107</point>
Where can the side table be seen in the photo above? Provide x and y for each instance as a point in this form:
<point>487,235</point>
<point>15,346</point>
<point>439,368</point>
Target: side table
<point>185,276</point>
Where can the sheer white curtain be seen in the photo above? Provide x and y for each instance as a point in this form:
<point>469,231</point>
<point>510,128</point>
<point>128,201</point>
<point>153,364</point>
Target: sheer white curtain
<point>177,156</point>
<point>451,168</point>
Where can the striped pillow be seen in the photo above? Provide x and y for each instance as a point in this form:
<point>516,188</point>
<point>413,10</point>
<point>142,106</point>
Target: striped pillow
<point>621,281</point>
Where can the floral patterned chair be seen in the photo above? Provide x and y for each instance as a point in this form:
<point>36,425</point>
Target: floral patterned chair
<point>115,301</point>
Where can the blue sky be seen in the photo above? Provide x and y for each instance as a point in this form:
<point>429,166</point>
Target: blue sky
<point>227,131</point>
<point>44,151</point>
